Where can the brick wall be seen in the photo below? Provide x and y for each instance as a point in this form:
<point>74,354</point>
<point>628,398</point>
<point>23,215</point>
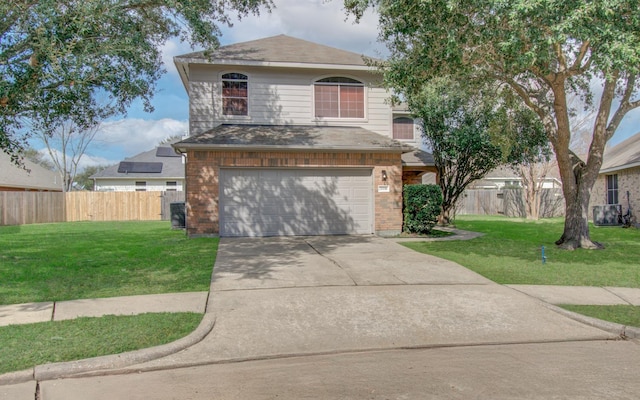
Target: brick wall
<point>628,179</point>
<point>203,168</point>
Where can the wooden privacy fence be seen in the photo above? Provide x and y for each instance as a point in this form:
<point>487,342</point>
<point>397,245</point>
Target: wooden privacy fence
<point>19,208</point>
<point>509,202</point>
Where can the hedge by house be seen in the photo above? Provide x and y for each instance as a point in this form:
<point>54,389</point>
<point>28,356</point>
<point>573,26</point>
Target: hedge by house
<point>422,205</point>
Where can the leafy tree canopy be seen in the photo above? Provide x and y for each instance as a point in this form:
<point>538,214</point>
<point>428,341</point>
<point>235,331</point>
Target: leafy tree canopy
<point>470,133</point>
<point>56,56</point>
<point>543,52</point>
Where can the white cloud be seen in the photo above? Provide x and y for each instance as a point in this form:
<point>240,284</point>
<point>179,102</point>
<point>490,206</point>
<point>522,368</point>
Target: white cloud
<point>132,135</point>
<point>172,48</point>
<point>319,21</point>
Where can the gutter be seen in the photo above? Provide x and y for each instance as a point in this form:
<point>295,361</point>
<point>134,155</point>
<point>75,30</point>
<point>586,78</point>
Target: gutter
<point>619,168</point>
<point>342,149</point>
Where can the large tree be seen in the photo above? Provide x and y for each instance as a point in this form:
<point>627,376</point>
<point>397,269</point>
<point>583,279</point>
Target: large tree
<point>58,56</point>
<point>543,51</point>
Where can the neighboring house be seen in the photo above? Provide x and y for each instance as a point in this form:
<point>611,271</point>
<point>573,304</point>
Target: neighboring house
<point>504,176</point>
<point>290,137</point>
<point>160,169</point>
<point>32,177</point>
<point>618,185</point>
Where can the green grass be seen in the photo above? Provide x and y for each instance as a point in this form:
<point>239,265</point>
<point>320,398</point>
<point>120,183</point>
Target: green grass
<point>625,315</point>
<point>510,253</point>
<point>25,346</point>
<point>78,260</point>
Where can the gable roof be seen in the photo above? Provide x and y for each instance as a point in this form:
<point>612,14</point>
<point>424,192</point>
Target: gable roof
<point>622,156</point>
<point>291,137</point>
<point>274,51</point>
<point>280,49</point>
<point>35,177</point>
<point>160,163</point>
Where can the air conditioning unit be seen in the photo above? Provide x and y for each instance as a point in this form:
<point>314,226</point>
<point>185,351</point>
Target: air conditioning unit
<point>607,215</point>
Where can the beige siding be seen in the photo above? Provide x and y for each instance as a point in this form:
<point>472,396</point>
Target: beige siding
<point>280,96</point>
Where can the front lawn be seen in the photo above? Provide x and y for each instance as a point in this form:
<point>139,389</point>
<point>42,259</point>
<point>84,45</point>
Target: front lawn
<point>79,260</point>
<point>510,253</point>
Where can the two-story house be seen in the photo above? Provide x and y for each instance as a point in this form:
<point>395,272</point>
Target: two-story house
<point>289,137</point>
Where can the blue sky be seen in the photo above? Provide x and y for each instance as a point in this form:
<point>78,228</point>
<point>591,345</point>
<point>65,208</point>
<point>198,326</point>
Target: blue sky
<point>321,21</point>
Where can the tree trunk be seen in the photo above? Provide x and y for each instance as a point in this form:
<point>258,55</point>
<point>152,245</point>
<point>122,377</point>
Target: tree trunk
<point>577,176</point>
<point>444,218</point>
<point>576,222</point>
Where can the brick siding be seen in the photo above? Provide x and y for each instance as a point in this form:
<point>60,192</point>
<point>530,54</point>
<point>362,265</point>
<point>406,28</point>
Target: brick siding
<point>628,179</point>
<point>203,169</point>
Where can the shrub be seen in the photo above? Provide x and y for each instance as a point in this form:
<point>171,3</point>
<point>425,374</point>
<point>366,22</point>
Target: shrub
<point>422,205</point>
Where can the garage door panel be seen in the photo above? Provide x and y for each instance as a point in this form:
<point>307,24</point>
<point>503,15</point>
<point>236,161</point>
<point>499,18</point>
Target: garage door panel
<point>295,202</point>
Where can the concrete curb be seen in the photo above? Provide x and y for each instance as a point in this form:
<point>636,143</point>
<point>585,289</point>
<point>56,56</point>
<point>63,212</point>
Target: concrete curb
<point>625,332</point>
<point>13,378</point>
<point>68,369</point>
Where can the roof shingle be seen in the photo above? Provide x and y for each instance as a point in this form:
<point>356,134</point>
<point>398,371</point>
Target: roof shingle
<point>279,49</point>
<point>292,137</point>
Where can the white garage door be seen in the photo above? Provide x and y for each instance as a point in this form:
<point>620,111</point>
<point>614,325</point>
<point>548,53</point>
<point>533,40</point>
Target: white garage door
<point>281,202</point>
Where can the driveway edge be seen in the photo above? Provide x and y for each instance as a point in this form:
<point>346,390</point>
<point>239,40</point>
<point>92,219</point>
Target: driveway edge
<point>68,369</point>
<point>625,332</point>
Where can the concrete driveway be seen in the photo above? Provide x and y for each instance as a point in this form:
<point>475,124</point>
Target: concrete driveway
<point>316,295</point>
<point>364,317</point>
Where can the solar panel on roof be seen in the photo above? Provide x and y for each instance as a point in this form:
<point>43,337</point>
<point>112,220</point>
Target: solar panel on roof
<point>166,152</point>
<point>126,167</point>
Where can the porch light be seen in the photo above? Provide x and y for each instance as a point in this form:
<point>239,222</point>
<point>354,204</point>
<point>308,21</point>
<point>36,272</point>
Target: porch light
<point>384,175</point>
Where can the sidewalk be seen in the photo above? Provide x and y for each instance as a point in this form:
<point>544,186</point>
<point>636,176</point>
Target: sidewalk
<point>30,313</point>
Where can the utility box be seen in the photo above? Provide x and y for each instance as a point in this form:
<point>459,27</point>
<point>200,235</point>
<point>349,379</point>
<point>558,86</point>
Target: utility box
<point>607,215</point>
<point>178,215</point>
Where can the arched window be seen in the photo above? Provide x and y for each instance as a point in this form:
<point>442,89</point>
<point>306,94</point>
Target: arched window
<point>235,94</point>
<point>403,128</point>
<point>339,97</point>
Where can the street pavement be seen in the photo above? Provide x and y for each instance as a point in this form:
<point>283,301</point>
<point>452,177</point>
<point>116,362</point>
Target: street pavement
<point>362,317</point>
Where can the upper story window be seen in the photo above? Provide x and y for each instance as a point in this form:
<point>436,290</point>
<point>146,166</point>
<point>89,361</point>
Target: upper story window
<point>403,128</point>
<point>612,189</point>
<point>339,97</point>
<point>235,94</point>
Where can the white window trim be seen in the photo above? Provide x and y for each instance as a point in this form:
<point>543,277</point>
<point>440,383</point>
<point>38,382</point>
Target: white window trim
<point>234,117</point>
<point>338,119</point>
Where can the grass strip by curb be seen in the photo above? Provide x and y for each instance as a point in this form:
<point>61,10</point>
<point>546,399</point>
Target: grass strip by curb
<point>25,346</point>
<point>620,314</point>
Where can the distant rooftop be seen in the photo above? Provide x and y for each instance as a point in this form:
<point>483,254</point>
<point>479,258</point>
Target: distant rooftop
<point>34,177</point>
<point>161,162</point>
<point>622,156</point>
